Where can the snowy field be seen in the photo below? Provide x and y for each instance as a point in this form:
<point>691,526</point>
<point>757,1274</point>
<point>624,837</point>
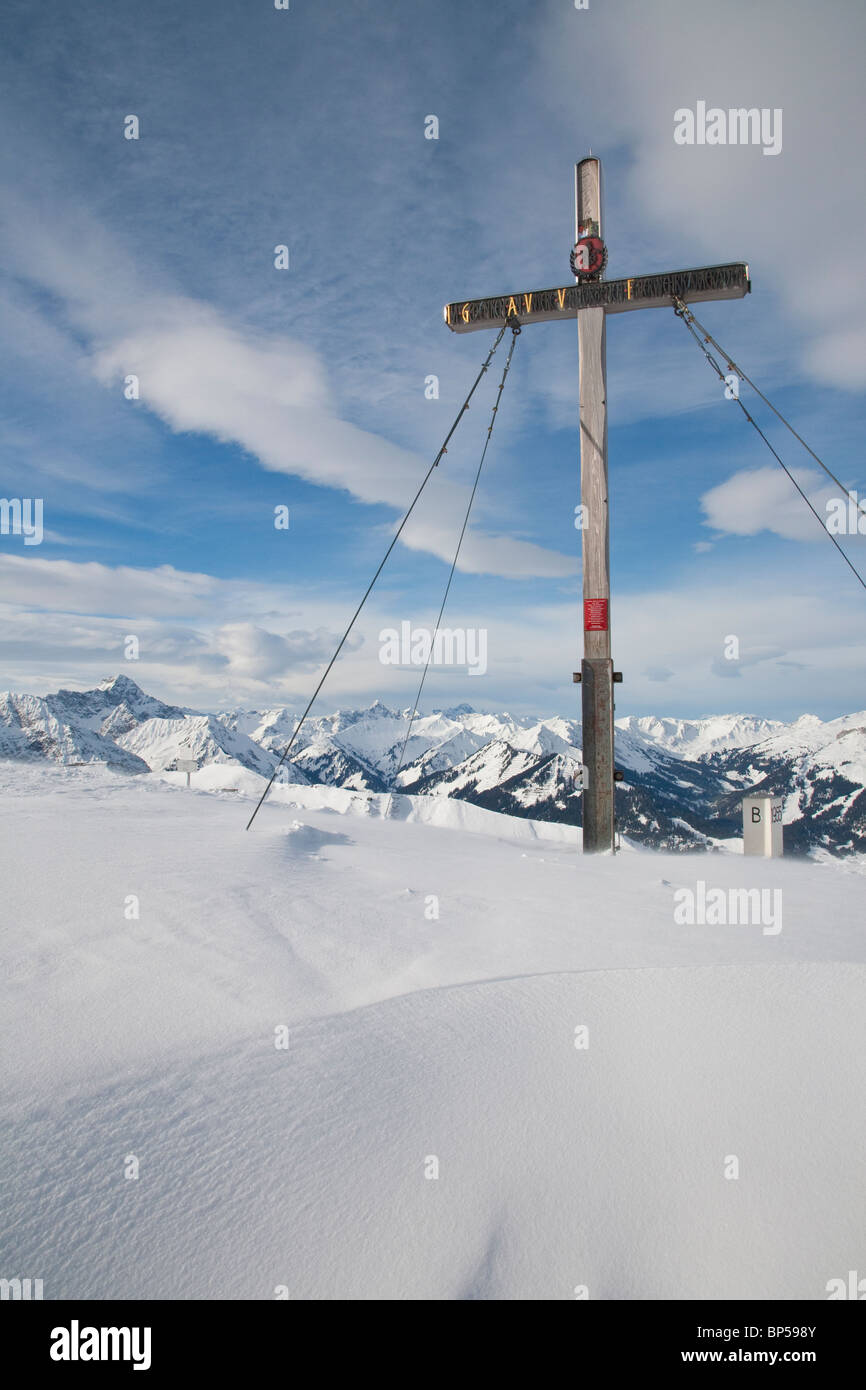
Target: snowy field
<point>416,1043</point>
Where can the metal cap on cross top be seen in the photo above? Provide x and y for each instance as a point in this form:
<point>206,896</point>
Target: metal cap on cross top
<point>589,299</point>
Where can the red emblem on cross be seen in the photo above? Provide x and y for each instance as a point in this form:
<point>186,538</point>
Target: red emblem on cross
<point>589,258</point>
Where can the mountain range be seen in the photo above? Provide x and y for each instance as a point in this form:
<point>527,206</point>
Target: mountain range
<point>683,779</point>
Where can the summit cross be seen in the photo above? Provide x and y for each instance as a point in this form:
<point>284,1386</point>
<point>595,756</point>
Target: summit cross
<point>590,299</point>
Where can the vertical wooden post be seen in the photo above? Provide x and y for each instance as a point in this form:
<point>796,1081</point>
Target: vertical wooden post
<point>596,665</point>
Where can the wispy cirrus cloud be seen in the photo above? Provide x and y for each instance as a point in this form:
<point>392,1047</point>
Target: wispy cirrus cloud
<point>271,396</point>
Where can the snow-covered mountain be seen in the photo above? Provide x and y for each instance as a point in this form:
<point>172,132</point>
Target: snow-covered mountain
<point>30,729</point>
<point>692,738</point>
<point>361,749</point>
<point>820,769</point>
<point>121,726</point>
<point>202,737</point>
<point>683,779</point>
<point>75,726</point>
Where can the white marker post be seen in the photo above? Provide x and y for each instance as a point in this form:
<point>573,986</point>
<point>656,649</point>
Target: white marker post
<point>762,826</point>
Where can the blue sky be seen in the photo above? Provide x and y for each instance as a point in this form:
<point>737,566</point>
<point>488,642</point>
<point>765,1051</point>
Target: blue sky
<point>305,387</point>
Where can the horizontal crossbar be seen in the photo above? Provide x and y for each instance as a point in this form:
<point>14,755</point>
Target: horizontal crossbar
<point>614,296</point>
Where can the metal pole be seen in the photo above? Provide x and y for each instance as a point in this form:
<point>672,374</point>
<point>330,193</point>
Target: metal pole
<point>596,666</point>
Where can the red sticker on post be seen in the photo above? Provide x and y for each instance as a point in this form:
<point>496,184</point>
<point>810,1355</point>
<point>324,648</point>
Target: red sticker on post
<point>595,615</point>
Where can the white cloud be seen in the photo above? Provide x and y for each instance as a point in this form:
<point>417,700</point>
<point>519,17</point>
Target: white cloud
<point>68,586</point>
<point>764,499</point>
<point>271,396</point>
<point>838,357</point>
<point>785,619</point>
<point>202,373</point>
<point>727,667</point>
<point>253,653</point>
<point>711,204</point>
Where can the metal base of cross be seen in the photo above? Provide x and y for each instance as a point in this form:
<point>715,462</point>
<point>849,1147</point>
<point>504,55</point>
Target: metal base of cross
<point>596,687</point>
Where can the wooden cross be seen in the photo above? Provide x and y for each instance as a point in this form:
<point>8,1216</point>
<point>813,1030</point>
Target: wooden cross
<point>590,300</point>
